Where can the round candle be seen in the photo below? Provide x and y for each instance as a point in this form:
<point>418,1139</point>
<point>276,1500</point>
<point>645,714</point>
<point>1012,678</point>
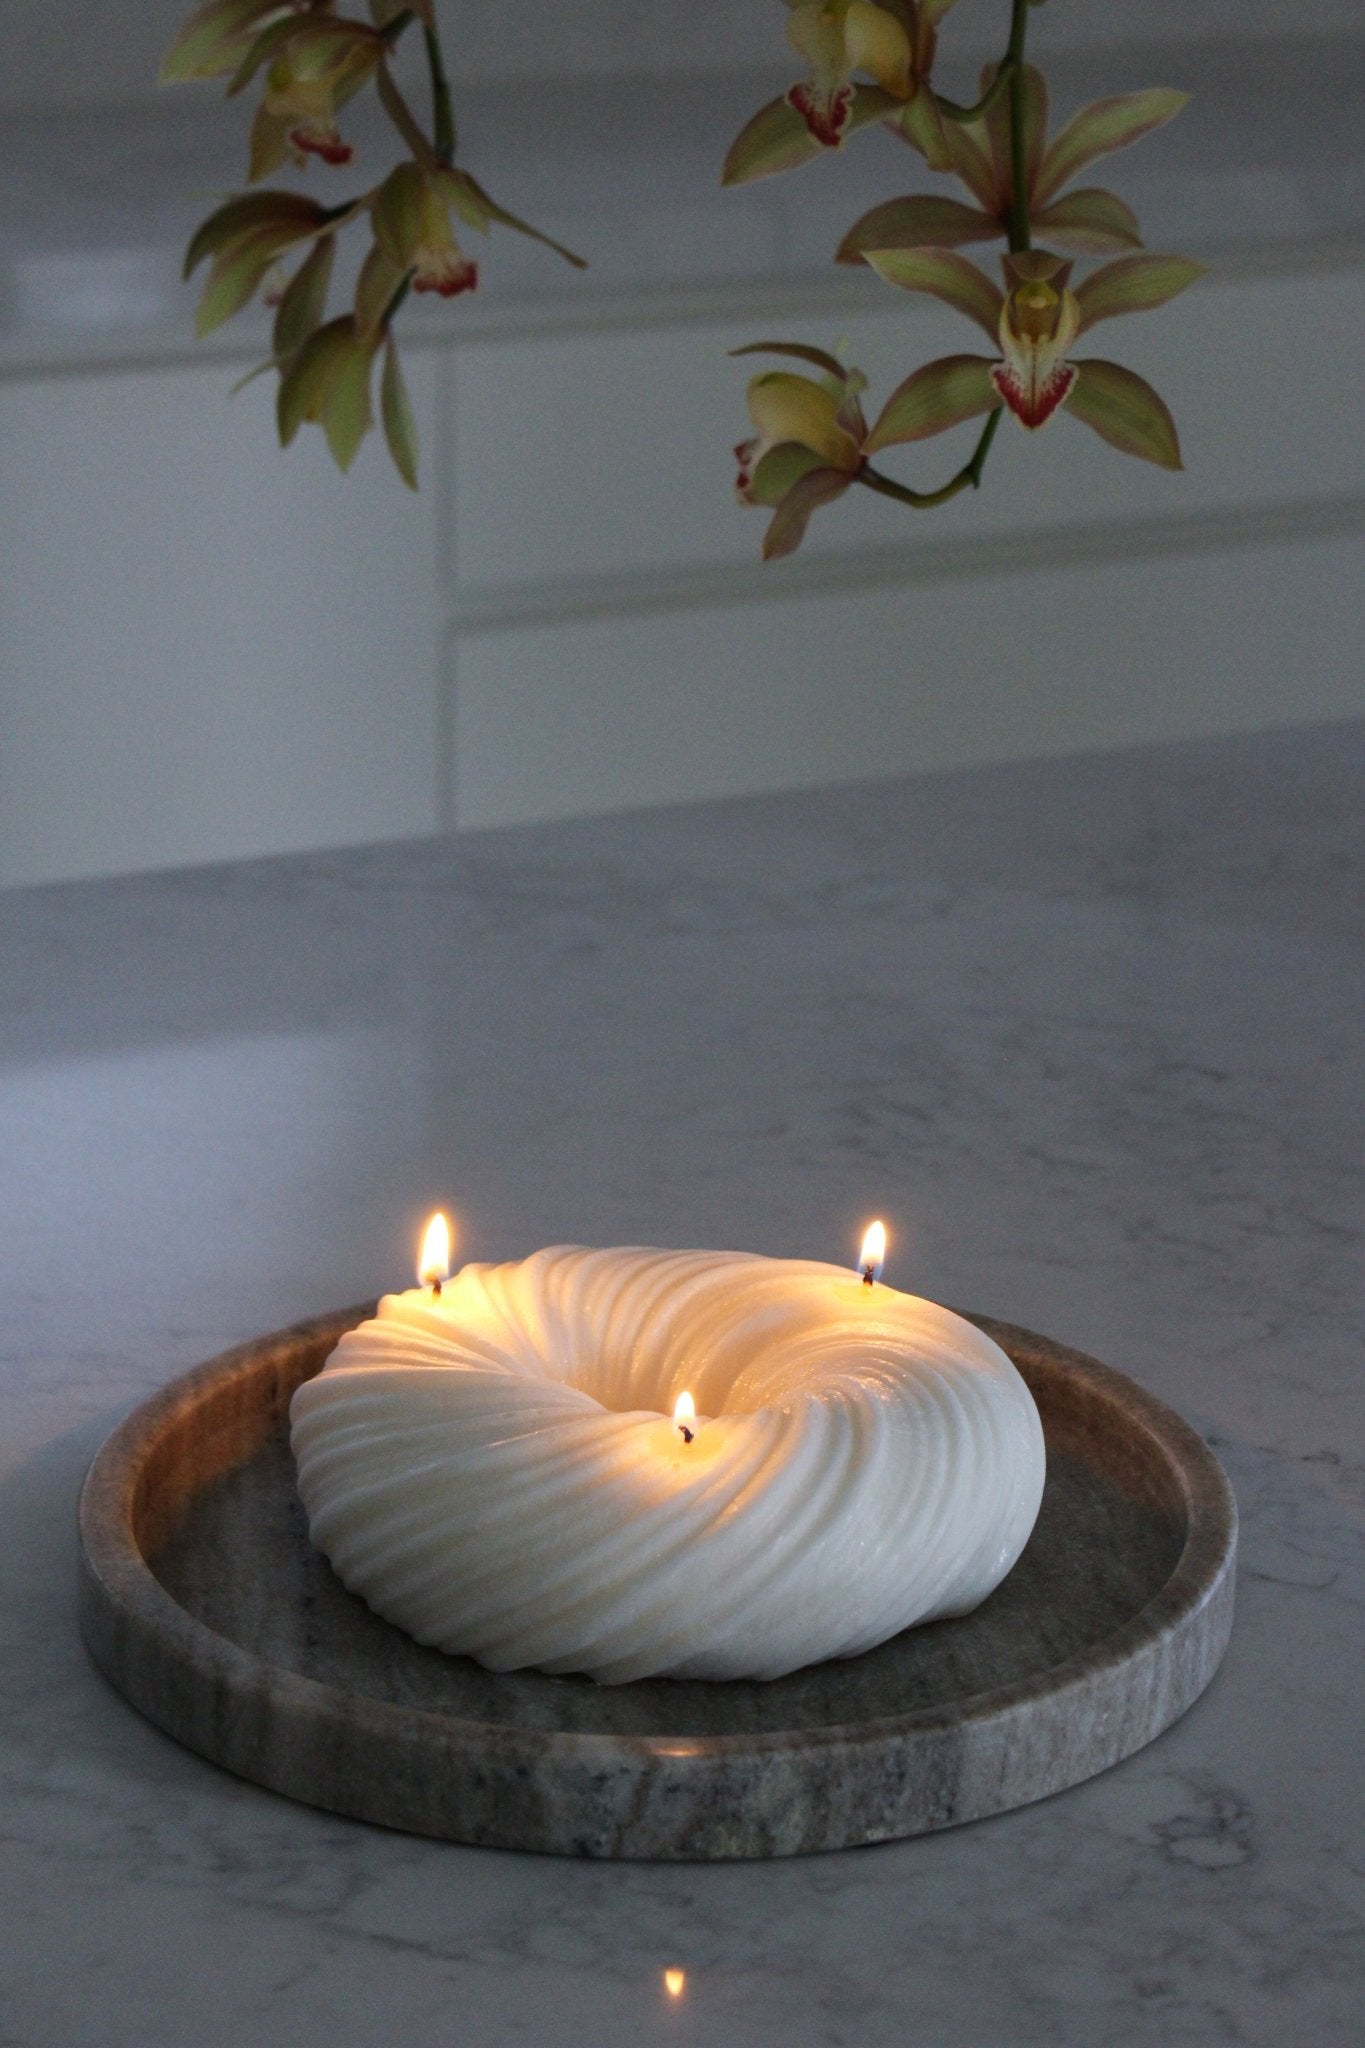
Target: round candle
<point>496,1466</point>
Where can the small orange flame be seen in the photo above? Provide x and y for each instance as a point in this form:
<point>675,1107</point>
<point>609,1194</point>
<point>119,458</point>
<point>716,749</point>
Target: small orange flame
<point>675,1982</point>
<point>872,1257</point>
<point>684,1417</point>
<point>433,1261</point>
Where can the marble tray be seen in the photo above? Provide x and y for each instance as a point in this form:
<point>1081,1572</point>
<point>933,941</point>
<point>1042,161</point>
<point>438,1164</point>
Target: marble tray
<point>205,1605</point>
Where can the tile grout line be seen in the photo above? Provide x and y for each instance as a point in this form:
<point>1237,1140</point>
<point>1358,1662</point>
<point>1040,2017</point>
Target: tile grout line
<point>642,309</point>
<point>447,665</point>
<point>580,600</point>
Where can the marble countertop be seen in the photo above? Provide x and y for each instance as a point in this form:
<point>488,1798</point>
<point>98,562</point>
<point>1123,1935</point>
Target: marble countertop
<point>1086,1032</point>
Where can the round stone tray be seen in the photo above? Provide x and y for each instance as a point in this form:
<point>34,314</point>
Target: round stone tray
<point>204,1603</point>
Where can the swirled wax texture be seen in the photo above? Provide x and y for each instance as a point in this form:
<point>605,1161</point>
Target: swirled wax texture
<point>496,1470</point>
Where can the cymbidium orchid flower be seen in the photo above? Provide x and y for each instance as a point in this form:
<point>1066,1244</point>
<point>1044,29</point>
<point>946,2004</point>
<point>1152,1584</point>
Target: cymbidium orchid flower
<point>1088,220</point>
<point>311,113</point>
<point>809,444</point>
<point>1035,320</point>
<point>313,59</point>
<point>312,69</point>
<point>439,263</point>
<point>1021,186</point>
<point>891,44</point>
<point>838,38</point>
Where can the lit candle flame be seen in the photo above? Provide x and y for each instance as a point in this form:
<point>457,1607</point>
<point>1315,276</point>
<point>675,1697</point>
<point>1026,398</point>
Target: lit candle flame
<point>684,1415</point>
<point>675,1982</point>
<point>872,1257</point>
<point>433,1261</point>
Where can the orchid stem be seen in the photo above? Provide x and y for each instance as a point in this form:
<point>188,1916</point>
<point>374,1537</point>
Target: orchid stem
<point>981,107</point>
<point>1009,77</point>
<point>403,118</point>
<point>1019,193</point>
<point>443,109</point>
<point>439,149</point>
<point>969,476</point>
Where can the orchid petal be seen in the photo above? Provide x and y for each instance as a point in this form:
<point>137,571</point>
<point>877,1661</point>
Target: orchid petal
<point>345,413</point>
<point>777,470</point>
<point>304,303</point>
<point>249,210</point>
<point>478,207</point>
<point>264,48</point>
<point>398,210</point>
<point>210,42</point>
<point>779,139</point>
<point>1100,129</point>
<point>304,381</point>
<point>936,397</point>
<point>818,356</point>
<point>945,275</point>
<point>239,268</point>
<point>920,221</point>
<point>378,282</point>
<point>785,407</point>
<point>969,158</point>
<point>997,125</point>
<point>787,530</point>
<point>1089,220</point>
<point>924,128</point>
<point>1123,410</point>
<point>400,428</point>
<point>269,145</point>
<point>1036,266</point>
<point>1135,284</point>
<point>875,42</point>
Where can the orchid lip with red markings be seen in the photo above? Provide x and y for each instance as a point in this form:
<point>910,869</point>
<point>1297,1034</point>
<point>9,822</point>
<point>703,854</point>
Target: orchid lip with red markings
<point>1033,402</point>
<point>825,115</point>
<point>837,38</point>
<point>447,279</point>
<point>322,142</point>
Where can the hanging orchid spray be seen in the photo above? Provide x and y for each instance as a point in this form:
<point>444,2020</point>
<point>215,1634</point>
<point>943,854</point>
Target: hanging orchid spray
<point>871,65</point>
<point>308,62</point>
<point>863,63</point>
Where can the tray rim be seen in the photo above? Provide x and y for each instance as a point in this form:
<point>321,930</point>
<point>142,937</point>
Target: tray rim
<point>120,1589</point>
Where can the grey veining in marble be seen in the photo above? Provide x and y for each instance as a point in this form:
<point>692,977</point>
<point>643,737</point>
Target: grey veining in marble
<point>1086,1031</point>
<point>205,1603</point>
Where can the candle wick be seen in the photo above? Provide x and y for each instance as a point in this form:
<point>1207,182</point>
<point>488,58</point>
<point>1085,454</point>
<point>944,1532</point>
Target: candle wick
<point>686,1432</point>
<point>435,1290</point>
<point>867,1276</point>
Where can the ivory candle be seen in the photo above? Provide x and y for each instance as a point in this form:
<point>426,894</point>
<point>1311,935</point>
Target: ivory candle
<point>509,1467</point>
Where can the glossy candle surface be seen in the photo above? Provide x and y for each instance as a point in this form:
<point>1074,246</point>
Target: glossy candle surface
<point>496,1469</point>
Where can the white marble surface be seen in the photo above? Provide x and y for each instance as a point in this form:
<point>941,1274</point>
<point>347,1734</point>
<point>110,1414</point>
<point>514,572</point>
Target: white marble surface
<point>1086,1032</point>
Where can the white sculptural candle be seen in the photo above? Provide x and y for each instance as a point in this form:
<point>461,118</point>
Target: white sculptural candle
<point>495,1466</point>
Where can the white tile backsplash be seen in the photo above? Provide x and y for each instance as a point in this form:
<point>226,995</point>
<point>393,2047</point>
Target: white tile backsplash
<point>207,650</point>
<point>740,697</point>
<point>590,455</point>
<point>65,52</point>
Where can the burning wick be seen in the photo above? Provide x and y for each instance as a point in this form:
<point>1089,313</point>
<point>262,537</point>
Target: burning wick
<point>675,1982</point>
<point>872,1257</point>
<point>433,1262</point>
<point>684,1414</point>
